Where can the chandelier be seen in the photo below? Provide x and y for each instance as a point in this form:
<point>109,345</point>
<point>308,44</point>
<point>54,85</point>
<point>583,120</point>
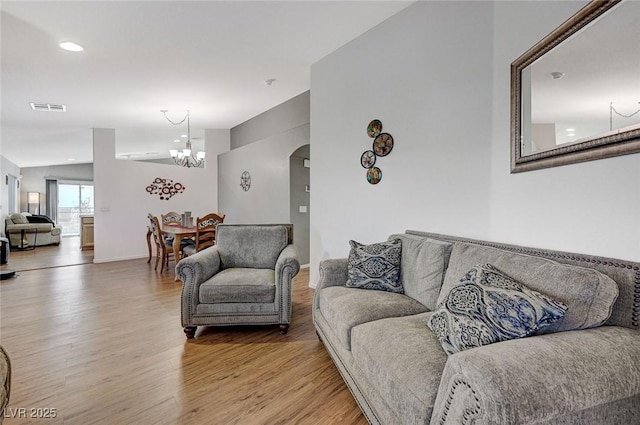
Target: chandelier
<point>185,157</point>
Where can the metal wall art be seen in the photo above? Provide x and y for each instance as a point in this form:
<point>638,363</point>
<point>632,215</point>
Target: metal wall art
<point>165,188</point>
<point>245,180</point>
<point>382,146</point>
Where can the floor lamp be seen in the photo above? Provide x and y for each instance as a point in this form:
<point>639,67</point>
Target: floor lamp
<point>33,198</point>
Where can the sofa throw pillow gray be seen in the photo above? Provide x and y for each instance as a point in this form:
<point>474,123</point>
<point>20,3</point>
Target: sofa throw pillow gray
<point>375,266</point>
<point>487,306</point>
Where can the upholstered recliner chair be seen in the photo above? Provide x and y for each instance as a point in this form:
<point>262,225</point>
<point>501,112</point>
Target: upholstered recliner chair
<point>245,279</point>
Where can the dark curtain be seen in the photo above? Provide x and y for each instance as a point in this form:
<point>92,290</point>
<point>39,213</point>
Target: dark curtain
<point>51,193</point>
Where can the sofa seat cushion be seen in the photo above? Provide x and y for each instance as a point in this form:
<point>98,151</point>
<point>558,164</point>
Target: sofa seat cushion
<point>588,294</point>
<point>239,285</point>
<point>403,360</point>
<point>343,308</point>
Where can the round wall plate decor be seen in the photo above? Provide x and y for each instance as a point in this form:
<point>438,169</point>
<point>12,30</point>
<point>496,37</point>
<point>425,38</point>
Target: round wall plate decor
<point>245,180</point>
<point>374,128</point>
<point>383,144</point>
<point>374,175</point>
<point>368,159</point>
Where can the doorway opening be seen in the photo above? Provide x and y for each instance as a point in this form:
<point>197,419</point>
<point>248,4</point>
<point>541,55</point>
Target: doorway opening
<point>74,200</point>
<point>299,192</point>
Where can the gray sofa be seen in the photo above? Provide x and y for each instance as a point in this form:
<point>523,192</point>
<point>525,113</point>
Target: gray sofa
<point>22,233</point>
<point>582,369</point>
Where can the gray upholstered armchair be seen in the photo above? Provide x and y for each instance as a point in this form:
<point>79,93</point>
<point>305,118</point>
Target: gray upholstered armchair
<point>245,279</point>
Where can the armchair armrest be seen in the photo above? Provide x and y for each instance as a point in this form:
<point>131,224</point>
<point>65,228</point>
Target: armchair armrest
<point>193,271</point>
<point>287,266</point>
<point>199,267</point>
<point>539,378</point>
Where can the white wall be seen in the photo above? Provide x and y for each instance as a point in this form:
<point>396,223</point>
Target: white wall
<point>290,114</point>
<point>438,76</point>
<point>267,160</point>
<point>122,202</point>
<point>593,207</point>
<point>6,167</point>
<point>426,74</point>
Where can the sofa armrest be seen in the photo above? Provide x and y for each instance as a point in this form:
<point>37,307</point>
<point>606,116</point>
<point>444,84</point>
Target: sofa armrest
<point>287,266</point>
<point>193,271</point>
<point>539,378</point>
<point>333,272</point>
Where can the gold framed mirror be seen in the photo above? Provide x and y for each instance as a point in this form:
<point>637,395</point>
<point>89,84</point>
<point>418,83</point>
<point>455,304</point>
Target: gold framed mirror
<point>575,95</point>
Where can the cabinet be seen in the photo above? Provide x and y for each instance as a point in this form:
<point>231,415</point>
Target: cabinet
<point>86,232</point>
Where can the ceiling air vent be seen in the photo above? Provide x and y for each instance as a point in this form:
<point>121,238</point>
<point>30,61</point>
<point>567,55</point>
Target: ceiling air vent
<point>48,107</point>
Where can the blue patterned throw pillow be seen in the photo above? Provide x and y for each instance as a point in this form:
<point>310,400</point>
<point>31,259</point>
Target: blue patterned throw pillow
<point>487,306</point>
<point>375,266</point>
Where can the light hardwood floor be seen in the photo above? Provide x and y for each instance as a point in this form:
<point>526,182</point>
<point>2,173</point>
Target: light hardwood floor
<point>67,253</point>
<point>102,344</point>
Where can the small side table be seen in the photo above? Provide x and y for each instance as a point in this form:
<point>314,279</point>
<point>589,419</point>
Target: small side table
<point>28,247</point>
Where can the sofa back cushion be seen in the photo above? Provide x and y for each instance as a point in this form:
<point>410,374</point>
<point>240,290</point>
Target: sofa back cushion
<point>588,294</point>
<point>18,218</point>
<point>422,267</point>
<point>251,246</point>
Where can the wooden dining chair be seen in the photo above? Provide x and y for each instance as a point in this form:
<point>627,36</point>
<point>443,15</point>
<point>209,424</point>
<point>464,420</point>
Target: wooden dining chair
<point>171,218</point>
<point>149,236</point>
<point>164,246</point>
<point>205,233</point>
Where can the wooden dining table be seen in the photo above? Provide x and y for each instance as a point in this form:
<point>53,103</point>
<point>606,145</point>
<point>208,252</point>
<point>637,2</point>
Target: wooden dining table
<point>178,232</point>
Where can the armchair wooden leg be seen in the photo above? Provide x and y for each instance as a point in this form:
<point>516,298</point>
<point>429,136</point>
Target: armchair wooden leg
<point>284,329</point>
<point>190,331</point>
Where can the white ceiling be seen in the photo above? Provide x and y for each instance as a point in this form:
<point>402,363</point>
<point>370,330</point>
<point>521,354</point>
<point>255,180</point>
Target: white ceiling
<point>211,57</point>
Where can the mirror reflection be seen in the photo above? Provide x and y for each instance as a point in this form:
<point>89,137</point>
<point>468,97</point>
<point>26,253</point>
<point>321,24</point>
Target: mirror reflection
<point>579,90</point>
<point>588,86</point>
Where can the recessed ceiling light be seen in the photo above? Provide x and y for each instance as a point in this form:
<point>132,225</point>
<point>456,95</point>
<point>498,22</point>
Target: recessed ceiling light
<point>270,81</point>
<point>557,75</point>
<point>71,159</point>
<point>571,129</point>
<point>177,141</point>
<point>71,47</point>
<point>184,136</point>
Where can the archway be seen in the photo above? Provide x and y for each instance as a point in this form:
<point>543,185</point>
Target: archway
<point>299,193</point>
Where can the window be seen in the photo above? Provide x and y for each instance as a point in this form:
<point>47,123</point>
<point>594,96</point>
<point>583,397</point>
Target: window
<point>74,199</point>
